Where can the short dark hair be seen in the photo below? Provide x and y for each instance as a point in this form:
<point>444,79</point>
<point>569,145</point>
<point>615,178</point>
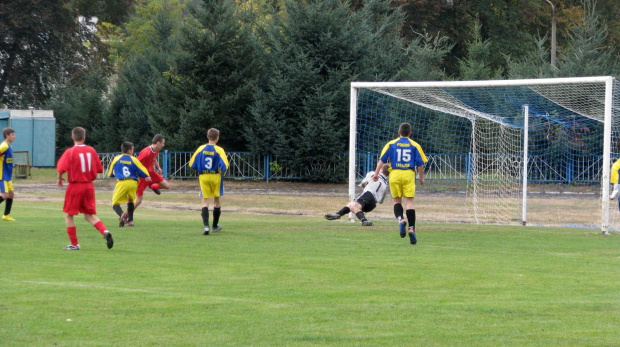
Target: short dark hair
<point>213,134</point>
<point>78,134</point>
<point>7,131</point>
<point>157,138</point>
<point>405,129</point>
<point>126,147</point>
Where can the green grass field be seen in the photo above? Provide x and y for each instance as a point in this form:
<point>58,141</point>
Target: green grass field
<point>297,281</point>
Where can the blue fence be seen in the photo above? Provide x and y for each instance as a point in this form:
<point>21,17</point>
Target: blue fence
<point>245,165</point>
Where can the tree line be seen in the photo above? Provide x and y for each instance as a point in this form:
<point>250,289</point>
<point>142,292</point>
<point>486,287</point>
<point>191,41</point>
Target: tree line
<point>273,75</point>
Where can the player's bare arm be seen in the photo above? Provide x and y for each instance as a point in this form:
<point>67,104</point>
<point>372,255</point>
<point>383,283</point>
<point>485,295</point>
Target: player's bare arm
<point>421,173</point>
<point>375,177</point>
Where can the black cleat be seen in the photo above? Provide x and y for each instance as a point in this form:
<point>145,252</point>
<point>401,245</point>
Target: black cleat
<point>332,216</point>
<point>206,231</point>
<point>108,239</point>
<point>367,223</point>
<point>157,191</point>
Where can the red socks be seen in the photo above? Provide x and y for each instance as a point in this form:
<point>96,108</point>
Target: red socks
<point>72,232</point>
<point>99,225</point>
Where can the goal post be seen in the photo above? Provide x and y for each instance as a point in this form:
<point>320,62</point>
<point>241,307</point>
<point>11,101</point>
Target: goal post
<point>473,133</point>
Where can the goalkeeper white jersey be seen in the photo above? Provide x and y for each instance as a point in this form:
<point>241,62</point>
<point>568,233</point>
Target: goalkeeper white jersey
<point>378,188</point>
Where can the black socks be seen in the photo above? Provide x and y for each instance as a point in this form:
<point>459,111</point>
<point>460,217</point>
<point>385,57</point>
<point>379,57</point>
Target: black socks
<point>217,211</point>
<point>205,216</point>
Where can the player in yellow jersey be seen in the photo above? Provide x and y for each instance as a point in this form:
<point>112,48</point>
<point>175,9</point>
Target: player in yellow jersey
<point>404,156</point>
<point>6,173</point>
<point>128,170</point>
<point>211,162</point>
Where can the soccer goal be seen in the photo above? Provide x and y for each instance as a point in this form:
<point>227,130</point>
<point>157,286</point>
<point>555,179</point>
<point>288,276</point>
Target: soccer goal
<point>534,151</point>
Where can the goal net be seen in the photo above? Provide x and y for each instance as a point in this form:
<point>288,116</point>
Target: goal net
<point>499,152</point>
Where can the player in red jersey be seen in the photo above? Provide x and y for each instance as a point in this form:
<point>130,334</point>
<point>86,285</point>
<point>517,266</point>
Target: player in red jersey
<point>82,164</point>
<point>148,158</point>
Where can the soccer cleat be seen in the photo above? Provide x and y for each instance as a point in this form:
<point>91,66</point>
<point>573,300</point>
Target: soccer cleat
<point>412,238</point>
<point>403,228</point>
<point>8,218</point>
<point>129,224</point>
<point>366,223</point>
<point>206,231</point>
<point>72,248</point>
<point>216,228</point>
<point>108,239</point>
<point>332,216</point>
<point>123,219</point>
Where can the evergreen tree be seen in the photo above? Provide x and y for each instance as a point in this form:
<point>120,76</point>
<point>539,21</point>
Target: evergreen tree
<point>79,104</point>
<point>146,99</point>
<point>476,64</point>
<point>587,53</point>
<point>534,64</point>
<point>426,55</point>
<point>316,49</point>
<point>218,74</point>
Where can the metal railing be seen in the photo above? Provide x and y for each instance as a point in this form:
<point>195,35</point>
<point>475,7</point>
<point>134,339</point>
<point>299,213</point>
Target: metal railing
<point>245,165</point>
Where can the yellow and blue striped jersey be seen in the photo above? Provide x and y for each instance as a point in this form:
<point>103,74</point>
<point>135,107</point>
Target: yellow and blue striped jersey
<point>6,162</point>
<point>209,159</point>
<point>403,154</point>
<point>615,172</point>
<point>126,166</point>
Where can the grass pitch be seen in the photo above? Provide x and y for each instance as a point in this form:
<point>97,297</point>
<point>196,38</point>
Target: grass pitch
<point>300,281</point>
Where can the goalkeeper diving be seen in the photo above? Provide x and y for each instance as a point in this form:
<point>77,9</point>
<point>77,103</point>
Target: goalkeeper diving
<point>374,192</point>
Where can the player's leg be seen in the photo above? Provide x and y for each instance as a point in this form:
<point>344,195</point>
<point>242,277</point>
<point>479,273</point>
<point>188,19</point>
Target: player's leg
<point>132,189</point>
<point>130,209</point>
<point>9,202</point>
<point>398,181</point>
<point>218,191</point>
<point>207,192</point>
<point>217,212</point>
<point>337,215</point>
<point>409,193</point>
<point>117,200</point>
<point>73,201</point>
<point>205,216</point>
<point>6,190</point>
<point>356,208</point>
<point>164,184</point>
<point>142,184</point>
<point>98,224</point>
<point>118,209</point>
<point>158,182</point>
<point>72,233</point>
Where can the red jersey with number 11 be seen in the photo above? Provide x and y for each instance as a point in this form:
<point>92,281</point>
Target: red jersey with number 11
<point>81,163</point>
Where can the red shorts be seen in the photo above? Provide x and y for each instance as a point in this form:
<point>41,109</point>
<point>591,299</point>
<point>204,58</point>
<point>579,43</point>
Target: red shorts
<point>155,178</point>
<point>80,198</point>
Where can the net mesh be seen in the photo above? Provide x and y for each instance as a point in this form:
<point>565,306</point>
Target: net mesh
<point>473,137</point>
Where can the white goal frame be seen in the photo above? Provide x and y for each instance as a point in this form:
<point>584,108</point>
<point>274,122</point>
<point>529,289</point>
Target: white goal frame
<point>608,81</point>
